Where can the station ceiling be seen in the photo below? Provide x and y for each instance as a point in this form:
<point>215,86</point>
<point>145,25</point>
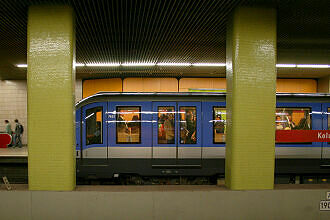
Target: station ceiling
<point>177,31</point>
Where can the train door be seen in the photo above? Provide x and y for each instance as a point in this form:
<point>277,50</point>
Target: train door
<point>326,126</point>
<point>214,129</point>
<point>164,127</point>
<point>94,141</point>
<point>189,133</point>
<point>129,130</point>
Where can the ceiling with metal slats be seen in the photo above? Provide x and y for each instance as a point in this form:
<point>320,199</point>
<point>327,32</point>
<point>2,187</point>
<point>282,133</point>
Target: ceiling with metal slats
<point>176,31</point>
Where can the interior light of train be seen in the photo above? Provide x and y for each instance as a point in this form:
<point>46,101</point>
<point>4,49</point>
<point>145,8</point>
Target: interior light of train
<point>312,66</point>
<point>173,64</point>
<point>79,64</point>
<point>209,64</point>
<point>138,64</point>
<point>286,65</point>
<point>103,64</point>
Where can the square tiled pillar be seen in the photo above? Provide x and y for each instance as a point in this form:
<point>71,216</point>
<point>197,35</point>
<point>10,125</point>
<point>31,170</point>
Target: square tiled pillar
<point>251,97</point>
<point>50,80</point>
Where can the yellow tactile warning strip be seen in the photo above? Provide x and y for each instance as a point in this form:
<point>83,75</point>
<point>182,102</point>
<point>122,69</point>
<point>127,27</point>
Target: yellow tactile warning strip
<point>50,83</point>
<point>251,87</point>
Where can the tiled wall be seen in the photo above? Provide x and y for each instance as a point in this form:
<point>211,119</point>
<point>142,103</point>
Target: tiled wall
<point>13,103</point>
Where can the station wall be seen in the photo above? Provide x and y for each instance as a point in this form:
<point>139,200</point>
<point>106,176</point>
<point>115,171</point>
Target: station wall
<point>91,87</point>
<point>296,85</point>
<point>13,103</point>
<point>150,85</point>
<point>324,85</point>
<point>201,83</point>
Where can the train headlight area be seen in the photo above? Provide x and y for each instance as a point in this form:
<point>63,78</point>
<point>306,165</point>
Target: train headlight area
<point>180,138</point>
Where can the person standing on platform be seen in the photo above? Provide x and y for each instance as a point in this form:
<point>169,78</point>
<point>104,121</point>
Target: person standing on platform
<point>17,135</point>
<point>9,131</point>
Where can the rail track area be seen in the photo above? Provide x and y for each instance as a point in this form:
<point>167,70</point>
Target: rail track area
<point>14,166</point>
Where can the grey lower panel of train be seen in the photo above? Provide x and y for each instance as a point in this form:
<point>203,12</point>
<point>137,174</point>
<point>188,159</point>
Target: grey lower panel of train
<point>326,152</point>
<point>193,152</point>
<point>153,152</point>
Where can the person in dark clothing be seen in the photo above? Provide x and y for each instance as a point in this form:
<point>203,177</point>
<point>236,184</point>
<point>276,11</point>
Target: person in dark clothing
<point>219,125</point>
<point>169,129</point>
<point>303,124</point>
<point>191,128</point>
<point>135,125</point>
<point>18,134</point>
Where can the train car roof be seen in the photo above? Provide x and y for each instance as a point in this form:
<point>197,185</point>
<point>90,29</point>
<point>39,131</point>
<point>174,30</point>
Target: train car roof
<point>189,94</point>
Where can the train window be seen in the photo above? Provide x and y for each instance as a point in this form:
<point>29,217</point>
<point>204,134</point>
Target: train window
<point>293,119</point>
<point>219,125</point>
<point>94,125</point>
<point>166,125</point>
<point>188,125</point>
<point>128,125</point>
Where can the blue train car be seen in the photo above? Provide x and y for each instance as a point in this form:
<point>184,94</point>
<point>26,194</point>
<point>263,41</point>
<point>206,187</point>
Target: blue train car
<point>184,134</point>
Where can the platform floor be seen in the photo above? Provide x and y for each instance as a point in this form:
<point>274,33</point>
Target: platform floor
<point>153,188</point>
<point>14,152</point>
<point>165,202</point>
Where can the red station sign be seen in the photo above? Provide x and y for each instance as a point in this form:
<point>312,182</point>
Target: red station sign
<point>302,136</point>
<point>5,139</point>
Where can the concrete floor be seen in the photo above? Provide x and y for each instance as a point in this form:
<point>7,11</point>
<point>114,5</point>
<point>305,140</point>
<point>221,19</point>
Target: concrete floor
<point>153,188</point>
<point>286,201</point>
<point>165,202</point>
<point>14,152</point>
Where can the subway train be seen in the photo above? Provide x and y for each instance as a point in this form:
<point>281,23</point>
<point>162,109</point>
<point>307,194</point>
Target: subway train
<point>184,135</point>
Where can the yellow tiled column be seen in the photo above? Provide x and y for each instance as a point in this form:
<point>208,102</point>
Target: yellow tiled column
<point>251,86</point>
<point>50,80</point>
